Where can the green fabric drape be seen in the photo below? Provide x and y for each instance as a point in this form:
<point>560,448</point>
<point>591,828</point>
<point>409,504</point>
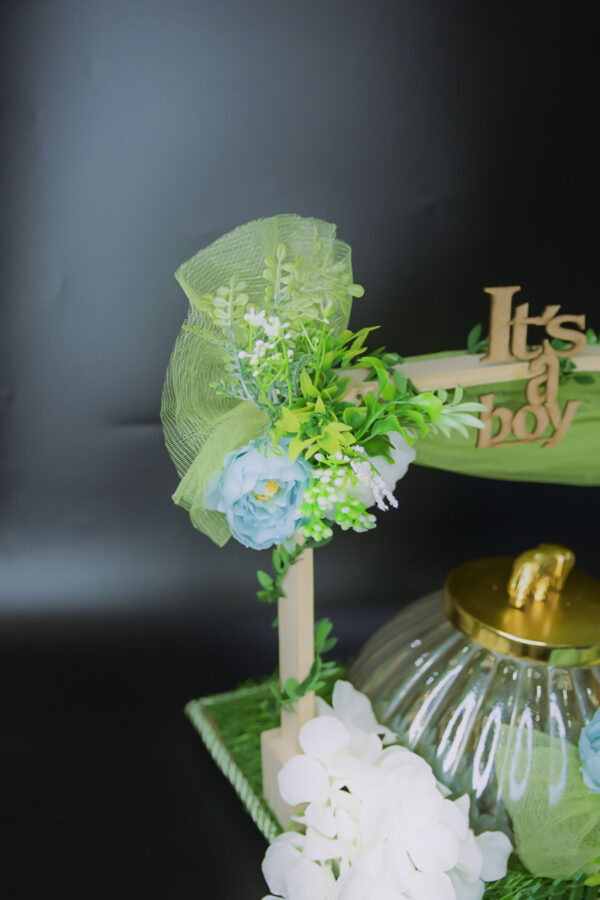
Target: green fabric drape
<point>575,460</point>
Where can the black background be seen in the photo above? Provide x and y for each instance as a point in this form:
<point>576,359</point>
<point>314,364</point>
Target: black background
<point>451,143</point>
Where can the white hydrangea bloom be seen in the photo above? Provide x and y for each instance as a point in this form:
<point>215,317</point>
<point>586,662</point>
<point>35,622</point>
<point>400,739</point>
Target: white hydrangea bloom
<point>376,823</point>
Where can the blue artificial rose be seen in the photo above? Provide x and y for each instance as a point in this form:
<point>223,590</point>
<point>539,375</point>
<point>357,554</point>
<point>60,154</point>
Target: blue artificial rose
<point>260,490</point>
<point>589,750</point>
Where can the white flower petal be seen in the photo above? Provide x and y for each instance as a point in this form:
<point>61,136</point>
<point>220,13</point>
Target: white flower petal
<point>453,815</point>
<point>322,708</point>
<point>470,861</point>
<point>344,800</point>
<point>431,886</point>
<point>465,889</point>
<point>367,747</point>
<point>323,818</point>
<point>443,789</point>
<point>496,849</point>
<point>303,780</point>
<point>321,848</point>
<point>371,862</point>
<point>403,456</point>
<point>323,737</point>
<point>433,849</point>
<point>281,855</point>
<point>464,804</point>
<point>355,711</point>
<point>354,774</point>
<point>359,885</point>
<point>292,875</point>
<point>346,827</point>
<point>406,764</point>
<point>310,881</point>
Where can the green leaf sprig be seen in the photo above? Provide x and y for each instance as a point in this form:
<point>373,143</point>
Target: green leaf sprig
<point>475,342</point>
<point>320,419</point>
<point>271,585</point>
<point>320,669</point>
<point>271,590</point>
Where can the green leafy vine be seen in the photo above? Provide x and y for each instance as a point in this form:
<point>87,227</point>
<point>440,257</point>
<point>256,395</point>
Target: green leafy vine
<point>319,671</point>
<point>271,590</point>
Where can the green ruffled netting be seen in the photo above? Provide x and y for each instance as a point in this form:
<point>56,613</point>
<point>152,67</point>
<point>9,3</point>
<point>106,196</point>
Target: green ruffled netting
<point>556,818</point>
<point>200,425</point>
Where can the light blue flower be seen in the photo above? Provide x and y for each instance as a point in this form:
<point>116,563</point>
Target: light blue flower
<point>260,491</point>
<point>589,751</point>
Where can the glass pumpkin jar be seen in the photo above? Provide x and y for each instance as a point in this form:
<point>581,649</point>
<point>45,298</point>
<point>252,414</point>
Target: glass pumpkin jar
<point>492,680</point>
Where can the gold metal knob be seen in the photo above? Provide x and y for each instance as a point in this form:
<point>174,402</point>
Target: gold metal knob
<point>527,607</point>
<point>539,575</point>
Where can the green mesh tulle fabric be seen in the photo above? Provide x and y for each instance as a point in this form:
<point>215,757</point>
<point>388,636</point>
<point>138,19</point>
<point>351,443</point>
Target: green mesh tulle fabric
<point>555,817</point>
<point>201,425</point>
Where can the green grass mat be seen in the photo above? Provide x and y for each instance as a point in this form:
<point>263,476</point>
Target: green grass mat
<point>230,726</point>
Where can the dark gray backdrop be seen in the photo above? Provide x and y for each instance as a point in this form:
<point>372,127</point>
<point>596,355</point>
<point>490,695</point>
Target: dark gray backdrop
<point>450,143</point>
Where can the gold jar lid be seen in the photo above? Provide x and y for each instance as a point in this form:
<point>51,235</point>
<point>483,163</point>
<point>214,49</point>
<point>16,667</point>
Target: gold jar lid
<point>532,607</point>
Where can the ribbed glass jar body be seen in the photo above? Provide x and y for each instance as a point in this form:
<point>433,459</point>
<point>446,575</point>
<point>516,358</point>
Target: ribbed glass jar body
<point>501,729</point>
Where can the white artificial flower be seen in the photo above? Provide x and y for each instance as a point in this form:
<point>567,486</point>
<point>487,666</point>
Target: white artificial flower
<point>292,875</point>
<point>375,823</point>
<point>379,490</point>
<point>272,327</point>
<point>254,318</point>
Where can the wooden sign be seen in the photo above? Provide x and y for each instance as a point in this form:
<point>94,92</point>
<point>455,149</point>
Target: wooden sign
<point>507,342</point>
<point>510,358</point>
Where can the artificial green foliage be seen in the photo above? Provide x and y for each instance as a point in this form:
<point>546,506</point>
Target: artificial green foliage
<point>475,343</point>
<point>306,286</point>
<point>337,435</point>
<point>266,355</point>
<point>329,499</point>
<point>594,880</point>
<point>319,672</point>
<point>285,359</point>
<point>456,414</point>
<point>225,307</point>
<point>522,886</point>
<point>271,586</point>
<point>271,590</point>
<point>269,343</point>
<point>567,367</point>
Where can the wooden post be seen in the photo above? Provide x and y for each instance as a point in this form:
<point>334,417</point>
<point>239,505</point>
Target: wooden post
<point>296,655</point>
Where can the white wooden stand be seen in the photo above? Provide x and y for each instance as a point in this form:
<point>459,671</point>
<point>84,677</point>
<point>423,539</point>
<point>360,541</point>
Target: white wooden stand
<point>296,655</point>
